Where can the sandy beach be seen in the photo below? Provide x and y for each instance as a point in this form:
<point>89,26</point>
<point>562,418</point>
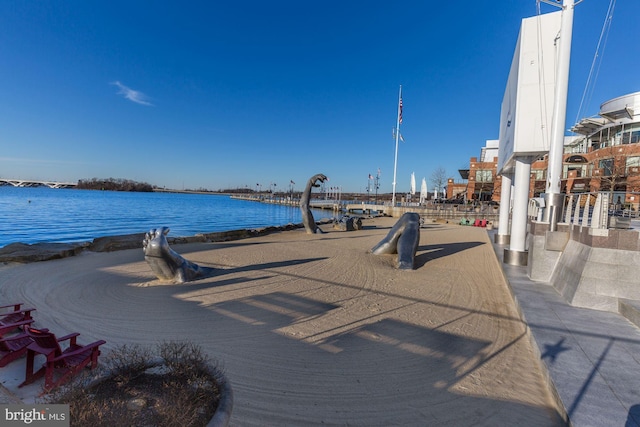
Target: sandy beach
<point>312,329</point>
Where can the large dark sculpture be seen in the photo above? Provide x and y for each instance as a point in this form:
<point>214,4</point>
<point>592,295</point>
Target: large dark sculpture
<point>307,216</point>
<point>403,239</point>
<point>168,264</point>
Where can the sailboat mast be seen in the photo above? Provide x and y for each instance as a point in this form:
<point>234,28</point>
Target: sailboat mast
<point>558,121</point>
<point>554,200</point>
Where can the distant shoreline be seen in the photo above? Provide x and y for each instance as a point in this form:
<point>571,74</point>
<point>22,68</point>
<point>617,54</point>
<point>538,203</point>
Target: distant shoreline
<point>213,193</point>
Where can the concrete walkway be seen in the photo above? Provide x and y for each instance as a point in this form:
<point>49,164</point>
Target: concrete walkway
<point>592,357</point>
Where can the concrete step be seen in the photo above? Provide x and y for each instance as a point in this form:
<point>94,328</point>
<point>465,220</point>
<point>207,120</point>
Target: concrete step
<point>630,309</point>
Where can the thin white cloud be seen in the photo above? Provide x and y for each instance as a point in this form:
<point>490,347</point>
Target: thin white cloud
<point>132,95</point>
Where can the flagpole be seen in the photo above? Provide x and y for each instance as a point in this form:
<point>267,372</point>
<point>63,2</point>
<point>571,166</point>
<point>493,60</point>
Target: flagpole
<point>395,162</point>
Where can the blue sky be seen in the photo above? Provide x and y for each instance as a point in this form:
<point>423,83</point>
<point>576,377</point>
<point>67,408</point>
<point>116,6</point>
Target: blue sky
<point>218,94</point>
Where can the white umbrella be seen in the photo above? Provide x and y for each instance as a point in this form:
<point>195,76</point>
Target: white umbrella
<point>413,183</point>
<point>423,191</point>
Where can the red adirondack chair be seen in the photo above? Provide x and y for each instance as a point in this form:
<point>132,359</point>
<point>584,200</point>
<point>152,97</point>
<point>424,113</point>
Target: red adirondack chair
<point>60,365</point>
<point>14,319</point>
<point>13,347</point>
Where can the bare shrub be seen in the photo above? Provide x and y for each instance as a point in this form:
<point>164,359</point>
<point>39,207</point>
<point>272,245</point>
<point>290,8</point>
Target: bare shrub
<point>173,384</point>
<point>127,360</point>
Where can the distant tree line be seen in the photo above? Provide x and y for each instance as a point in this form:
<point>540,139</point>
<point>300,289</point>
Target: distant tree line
<point>113,184</point>
<point>240,190</point>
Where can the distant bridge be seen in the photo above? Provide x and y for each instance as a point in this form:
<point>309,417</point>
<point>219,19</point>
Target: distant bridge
<point>31,183</point>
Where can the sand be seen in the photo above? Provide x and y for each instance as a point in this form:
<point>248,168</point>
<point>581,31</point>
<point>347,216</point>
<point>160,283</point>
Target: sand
<point>312,329</point>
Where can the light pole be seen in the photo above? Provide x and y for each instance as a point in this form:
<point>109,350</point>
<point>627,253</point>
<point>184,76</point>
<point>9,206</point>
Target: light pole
<point>377,184</point>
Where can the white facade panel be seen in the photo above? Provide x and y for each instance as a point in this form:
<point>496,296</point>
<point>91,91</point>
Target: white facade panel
<point>527,105</point>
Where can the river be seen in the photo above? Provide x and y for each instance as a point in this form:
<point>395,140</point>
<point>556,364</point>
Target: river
<point>41,214</point>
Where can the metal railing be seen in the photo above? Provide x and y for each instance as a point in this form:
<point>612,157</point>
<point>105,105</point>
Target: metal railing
<point>592,210</point>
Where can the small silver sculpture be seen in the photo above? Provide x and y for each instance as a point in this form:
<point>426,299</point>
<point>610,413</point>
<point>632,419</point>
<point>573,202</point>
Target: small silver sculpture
<point>403,239</point>
<point>307,216</point>
<point>348,223</point>
<point>168,264</point>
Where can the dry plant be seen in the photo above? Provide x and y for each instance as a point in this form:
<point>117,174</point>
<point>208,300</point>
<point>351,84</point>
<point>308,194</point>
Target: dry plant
<point>172,384</point>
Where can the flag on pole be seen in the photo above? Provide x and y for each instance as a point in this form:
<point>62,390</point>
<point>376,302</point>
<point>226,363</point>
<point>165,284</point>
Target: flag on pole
<point>399,135</point>
<point>400,111</point>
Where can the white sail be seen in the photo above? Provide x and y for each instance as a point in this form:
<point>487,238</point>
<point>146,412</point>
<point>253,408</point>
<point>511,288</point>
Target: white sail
<point>423,191</point>
<point>413,183</point>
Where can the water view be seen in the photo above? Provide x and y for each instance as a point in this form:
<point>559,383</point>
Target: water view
<point>32,215</point>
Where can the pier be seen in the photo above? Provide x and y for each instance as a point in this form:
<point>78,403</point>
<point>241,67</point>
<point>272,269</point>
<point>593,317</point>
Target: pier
<point>435,212</point>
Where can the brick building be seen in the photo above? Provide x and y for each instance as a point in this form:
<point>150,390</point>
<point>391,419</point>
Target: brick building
<point>603,156</point>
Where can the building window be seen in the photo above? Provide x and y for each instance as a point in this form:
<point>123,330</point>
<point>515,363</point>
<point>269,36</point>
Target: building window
<point>632,165</point>
<point>581,170</point>
<point>607,167</point>
<point>629,134</point>
<point>538,174</point>
<point>484,176</point>
<point>631,137</point>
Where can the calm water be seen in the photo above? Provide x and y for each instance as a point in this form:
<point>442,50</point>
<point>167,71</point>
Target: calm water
<point>32,215</point>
